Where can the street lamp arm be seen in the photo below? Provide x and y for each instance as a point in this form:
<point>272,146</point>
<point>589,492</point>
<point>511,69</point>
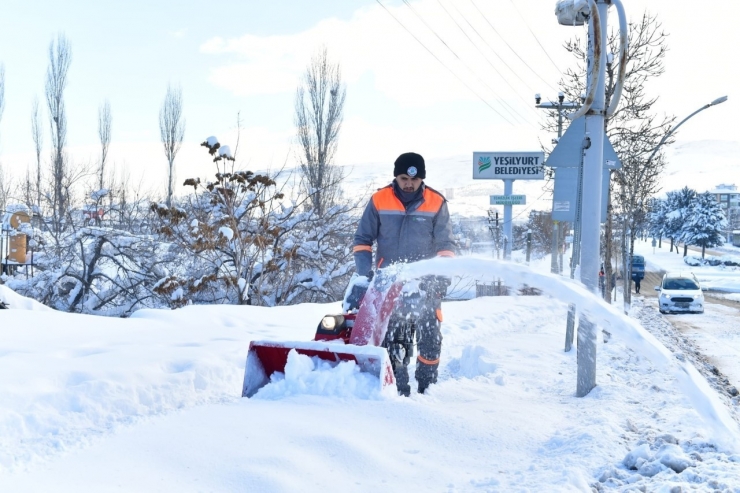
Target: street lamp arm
<point>665,137</point>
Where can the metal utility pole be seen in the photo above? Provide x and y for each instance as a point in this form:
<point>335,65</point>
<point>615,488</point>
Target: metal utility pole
<point>571,13</point>
<point>590,211</point>
<point>508,190</point>
<point>493,227</point>
<point>559,106</point>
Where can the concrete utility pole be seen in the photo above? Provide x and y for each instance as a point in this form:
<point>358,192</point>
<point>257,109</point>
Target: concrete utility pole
<point>559,107</point>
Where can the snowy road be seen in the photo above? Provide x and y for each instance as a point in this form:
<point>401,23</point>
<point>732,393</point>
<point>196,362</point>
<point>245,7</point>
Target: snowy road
<point>715,333</point>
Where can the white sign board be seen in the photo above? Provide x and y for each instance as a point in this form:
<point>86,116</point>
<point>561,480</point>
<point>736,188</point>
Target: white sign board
<point>508,200</point>
<point>508,165</point>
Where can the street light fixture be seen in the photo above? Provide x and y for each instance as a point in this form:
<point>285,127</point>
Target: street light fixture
<point>717,101</point>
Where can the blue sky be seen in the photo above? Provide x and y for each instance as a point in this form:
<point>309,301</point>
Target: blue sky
<point>247,56</point>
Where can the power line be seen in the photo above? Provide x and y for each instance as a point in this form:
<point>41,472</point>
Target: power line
<point>530,205</point>
<point>536,38</point>
<point>456,55</point>
<point>507,44</point>
<point>483,54</point>
<point>493,49</point>
<point>445,66</point>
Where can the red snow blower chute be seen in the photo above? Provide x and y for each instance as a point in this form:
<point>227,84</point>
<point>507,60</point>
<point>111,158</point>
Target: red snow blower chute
<point>355,335</point>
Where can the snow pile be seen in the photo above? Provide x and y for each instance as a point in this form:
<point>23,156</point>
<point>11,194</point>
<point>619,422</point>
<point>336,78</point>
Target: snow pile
<point>475,361</point>
<point>15,301</point>
<point>225,151</point>
<point>666,461</point>
<point>306,375</point>
<point>98,398</point>
<point>226,232</point>
<point>710,260</point>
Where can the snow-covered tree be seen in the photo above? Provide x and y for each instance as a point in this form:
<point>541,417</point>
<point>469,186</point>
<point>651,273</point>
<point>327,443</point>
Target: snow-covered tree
<point>678,208</point>
<point>102,271</point>
<point>319,110</point>
<point>705,223</point>
<point>657,219</point>
<point>540,225</point>
<point>60,56</point>
<point>171,132</point>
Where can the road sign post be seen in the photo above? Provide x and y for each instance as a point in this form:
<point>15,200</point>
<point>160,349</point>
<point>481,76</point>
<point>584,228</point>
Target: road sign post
<point>508,166</point>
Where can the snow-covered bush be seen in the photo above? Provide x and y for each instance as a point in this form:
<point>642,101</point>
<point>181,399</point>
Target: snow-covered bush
<point>693,261</point>
<point>247,243</point>
<point>237,239</point>
<point>104,271</point>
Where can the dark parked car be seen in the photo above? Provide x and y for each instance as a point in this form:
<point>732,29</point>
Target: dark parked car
<point>638,268</point>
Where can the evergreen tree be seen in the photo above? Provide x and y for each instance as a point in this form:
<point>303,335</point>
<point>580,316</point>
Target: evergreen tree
<point>678,207</point>
<point>705,223</point>
<point>657,219</point>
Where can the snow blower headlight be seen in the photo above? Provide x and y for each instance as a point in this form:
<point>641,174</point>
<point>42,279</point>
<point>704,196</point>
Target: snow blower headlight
<point>331,322</point>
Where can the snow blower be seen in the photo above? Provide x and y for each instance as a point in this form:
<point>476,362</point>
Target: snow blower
<point>355,335</point>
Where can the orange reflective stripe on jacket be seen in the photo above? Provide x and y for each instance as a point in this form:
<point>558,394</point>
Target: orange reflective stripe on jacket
<point>427,361</point>
<point>362,248</point>
<point>386,201</point>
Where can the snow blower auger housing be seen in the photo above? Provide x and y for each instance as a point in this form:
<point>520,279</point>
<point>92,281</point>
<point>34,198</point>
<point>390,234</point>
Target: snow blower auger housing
<point>355,335</point>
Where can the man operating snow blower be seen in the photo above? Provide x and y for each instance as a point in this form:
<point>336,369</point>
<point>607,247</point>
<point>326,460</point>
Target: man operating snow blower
<point>410,222</point>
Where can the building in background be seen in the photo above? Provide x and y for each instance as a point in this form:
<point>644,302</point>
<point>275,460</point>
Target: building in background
<point>728,197</point>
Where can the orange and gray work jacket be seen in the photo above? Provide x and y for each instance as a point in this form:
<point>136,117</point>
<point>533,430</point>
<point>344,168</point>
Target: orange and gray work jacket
<point>418,231</point>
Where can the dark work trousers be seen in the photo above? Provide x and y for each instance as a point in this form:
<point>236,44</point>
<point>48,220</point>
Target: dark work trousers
<point>416,317</point>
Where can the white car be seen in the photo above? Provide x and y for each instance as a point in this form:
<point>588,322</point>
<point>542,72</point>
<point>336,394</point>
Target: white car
<point>680,292</point>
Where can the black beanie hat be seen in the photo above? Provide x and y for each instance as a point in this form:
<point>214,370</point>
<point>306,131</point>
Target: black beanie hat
<point>410,163</point>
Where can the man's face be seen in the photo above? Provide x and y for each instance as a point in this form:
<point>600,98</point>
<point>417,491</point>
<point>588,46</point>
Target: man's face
<point>407,183</point>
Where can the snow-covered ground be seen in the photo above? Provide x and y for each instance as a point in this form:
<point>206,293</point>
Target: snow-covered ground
<point>152,403</point>
<point>714,334</point>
